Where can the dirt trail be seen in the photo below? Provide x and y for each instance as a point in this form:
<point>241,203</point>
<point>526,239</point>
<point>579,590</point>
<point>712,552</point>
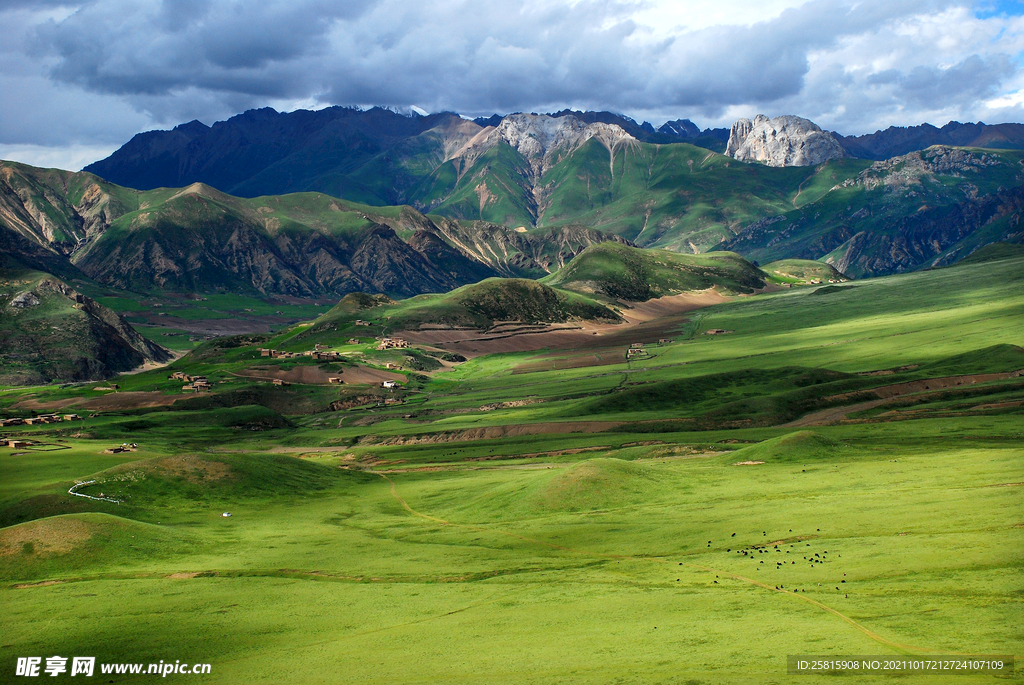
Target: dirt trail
<point>866,631</point>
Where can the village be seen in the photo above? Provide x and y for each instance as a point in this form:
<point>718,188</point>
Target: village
<point>41,419</point>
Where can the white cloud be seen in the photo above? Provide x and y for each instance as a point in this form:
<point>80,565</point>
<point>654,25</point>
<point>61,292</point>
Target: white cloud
<point>92,73</point>
<point>69,157</point>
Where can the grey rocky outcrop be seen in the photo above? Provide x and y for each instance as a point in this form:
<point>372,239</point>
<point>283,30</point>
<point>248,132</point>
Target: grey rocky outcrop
<point>782,141</point>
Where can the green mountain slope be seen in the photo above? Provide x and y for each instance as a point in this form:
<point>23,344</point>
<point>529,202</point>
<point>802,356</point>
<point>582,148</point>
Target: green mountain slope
<point>629,273</point>
<point>923,209</point>
<point>304,244</point>
<point>49,331</point>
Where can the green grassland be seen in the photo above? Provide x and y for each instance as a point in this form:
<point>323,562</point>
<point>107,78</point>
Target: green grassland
<point>665,519</point>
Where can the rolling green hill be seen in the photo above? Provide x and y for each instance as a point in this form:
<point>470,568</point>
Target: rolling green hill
<point>628,273</point>
<point>802,271</point>
<point>480,305</point>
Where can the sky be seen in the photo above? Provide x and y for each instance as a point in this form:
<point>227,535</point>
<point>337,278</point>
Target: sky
<point>79,78</point>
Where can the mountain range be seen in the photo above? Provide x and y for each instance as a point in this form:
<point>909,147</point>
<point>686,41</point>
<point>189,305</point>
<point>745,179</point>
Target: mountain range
<point>460,202</point>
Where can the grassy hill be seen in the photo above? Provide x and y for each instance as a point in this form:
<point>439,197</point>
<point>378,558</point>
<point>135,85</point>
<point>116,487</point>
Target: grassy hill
<point>802,271</point>
<point>479,305</point>
<point>628,273</point>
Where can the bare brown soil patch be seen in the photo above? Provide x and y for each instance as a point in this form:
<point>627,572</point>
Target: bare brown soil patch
<point>25,586</point>
<point>998,405</point>
<point>113,401</point>
<point>748,463</point>
<point>56,535</point>
<point>314,375</point>
<point>644,322</point>
<point>558,362</point>
<point>215,327</point>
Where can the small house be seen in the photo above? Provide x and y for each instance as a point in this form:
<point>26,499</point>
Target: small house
<point>334,380</point>
<point>664,341</point>
<point>388,384</point>
<point>636,346</point>
<point>17,444</point>
<point>278,381</point>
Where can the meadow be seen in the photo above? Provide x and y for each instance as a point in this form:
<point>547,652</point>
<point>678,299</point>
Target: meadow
<point>687,517</point>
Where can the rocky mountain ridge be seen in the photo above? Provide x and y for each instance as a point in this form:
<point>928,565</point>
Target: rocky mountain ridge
<point>900,140</point>
<point>782,141</point>
<point>922,209</point>
<point>308,245</point>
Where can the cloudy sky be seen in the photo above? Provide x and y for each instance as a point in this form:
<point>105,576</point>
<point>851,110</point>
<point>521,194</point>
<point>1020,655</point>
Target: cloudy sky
<point>79,78</point>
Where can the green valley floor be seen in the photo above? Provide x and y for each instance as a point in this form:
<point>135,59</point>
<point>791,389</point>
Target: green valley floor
<point>821,470</point>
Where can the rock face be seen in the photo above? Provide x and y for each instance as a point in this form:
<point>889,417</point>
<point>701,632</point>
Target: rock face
<point>782,141</point>
<point>543,140</point>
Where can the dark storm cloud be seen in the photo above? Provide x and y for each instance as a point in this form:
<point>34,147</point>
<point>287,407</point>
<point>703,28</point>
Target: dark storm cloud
<point>851,65</point>
<point>129,48</point>
<point>471,56</point>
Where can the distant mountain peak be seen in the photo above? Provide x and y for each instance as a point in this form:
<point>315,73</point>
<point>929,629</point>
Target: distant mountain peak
<point>783,141</point>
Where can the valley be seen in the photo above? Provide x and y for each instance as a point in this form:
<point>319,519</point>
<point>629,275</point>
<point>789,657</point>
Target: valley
<point>812,469</point>
<point>351,396</point>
